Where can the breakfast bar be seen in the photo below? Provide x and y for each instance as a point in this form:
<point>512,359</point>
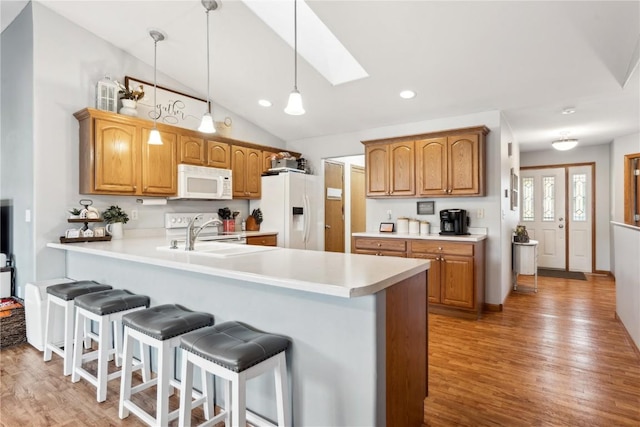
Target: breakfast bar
<point>358,323</point>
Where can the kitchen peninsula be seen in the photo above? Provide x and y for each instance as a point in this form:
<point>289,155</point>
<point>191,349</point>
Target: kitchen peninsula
<point>358,323</point>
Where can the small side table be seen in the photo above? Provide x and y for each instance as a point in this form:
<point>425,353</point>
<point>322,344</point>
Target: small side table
<point>525,261</point>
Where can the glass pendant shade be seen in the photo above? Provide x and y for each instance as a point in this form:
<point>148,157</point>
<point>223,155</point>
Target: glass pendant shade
<point>564,144</point>
<point>206,125</point>
<point>294,106</point>
<point>154,137</point>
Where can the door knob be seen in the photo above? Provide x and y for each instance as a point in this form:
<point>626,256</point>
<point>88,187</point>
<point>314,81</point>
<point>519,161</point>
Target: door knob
<point>327,226</point>
<point>561,226</point>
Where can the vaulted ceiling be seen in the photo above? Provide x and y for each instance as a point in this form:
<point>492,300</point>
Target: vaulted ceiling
<point>529,59</point>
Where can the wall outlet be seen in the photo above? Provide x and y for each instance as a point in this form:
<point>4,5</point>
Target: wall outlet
<point>389,213</point>
<point>27,215</point>
<point>134,214</point>
<point>480,213</point>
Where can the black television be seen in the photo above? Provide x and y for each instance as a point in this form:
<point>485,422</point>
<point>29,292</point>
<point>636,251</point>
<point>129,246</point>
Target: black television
<point>6,228</point>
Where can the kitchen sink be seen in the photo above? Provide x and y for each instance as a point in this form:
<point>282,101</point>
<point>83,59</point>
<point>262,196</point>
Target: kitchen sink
<point>218,250</point>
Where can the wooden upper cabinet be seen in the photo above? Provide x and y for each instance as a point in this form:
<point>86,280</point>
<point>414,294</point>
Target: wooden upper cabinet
<point>266,158</point>
<point>159,165</point>
<point>390,169</point>
<point>192,150</point>
<point>447,163</point>
<point>218,154</point>
<point>115,153</point>
<point>402,175</point>
<point>246,164</point>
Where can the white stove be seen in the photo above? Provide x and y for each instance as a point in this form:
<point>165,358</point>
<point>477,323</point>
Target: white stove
<point>175,225</point>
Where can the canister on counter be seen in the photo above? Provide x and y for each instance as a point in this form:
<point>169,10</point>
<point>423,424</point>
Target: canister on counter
<point>425,228</point>
<point>403,225</point>
<point>414,226</point>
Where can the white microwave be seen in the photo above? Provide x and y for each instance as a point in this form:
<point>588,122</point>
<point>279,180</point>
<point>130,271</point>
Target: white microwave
<point>199,182</point>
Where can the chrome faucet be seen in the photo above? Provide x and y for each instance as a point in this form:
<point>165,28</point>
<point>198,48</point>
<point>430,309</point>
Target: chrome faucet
<point>193,231</point>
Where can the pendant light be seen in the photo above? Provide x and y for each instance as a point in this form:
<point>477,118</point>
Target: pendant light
<point>564,144</point>
<point>294,106</point>
<point>154,135</point>
<point>206,125</point>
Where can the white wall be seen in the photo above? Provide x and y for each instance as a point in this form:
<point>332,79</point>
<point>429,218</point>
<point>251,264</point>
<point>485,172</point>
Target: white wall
<point>600,155</point>
<point>316,149</point>
<point>67,62</point>
<point>629,144</point>
<point>16,138</point>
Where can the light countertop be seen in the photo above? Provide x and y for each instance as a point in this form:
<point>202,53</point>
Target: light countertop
<point>328,273</point>
<point>394,235</point>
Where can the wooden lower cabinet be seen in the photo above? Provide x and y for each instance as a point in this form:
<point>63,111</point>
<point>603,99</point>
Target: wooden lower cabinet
<point>266,240</point>
<point>455,278</point>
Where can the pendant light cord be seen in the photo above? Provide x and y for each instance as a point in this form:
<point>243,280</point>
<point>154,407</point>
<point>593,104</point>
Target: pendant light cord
<point>155,80</point>
<point>295,44</point>
<point>208,68</point>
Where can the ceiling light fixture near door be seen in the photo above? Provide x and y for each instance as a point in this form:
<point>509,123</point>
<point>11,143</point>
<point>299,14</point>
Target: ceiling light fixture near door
<point>154,135</point>
<point>564,144</point>
<point>206,125</point>
<point>407,94</point>
<point>294,106</point>
<point>569,110</point>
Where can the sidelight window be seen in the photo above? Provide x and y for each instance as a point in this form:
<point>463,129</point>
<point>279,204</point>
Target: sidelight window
<point>548,198</point>
<point>579,197</point>
<point>528,213</point>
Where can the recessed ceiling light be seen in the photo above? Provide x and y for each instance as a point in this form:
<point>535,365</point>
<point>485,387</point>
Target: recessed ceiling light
<point>265,103</point>
<point>407,94</point>
<point>568,110</point>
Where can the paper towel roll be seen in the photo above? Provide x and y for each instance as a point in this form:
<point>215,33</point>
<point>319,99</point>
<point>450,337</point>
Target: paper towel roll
<point>152,201</point>
<point>3,260</point>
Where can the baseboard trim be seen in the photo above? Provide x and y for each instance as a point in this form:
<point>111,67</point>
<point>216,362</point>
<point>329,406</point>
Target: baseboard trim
<point>603,272</point>
<point>492,308</point>
<point>629,338</point>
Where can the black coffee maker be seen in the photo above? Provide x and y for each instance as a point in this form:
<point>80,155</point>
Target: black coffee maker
<point>453,222</point>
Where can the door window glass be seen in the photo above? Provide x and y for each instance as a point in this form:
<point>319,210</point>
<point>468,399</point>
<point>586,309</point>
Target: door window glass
<point>579,189</point>
<point>528,213</point>
<point>548,198</point>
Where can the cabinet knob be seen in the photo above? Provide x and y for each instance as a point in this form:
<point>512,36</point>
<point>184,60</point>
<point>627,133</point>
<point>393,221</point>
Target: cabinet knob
<point>379,244</point>
<point>440,248</point>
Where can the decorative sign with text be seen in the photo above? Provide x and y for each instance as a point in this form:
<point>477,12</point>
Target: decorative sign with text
<point>172,108</point>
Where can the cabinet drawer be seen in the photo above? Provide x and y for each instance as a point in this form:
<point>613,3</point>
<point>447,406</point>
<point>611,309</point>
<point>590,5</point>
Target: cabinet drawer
<point>270,240</point>
<point>441,247</point>
<point>382,253</point>
<point>381,244</point>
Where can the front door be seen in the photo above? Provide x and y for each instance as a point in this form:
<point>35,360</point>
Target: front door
<point>543,213</point>
<point>580,218</point>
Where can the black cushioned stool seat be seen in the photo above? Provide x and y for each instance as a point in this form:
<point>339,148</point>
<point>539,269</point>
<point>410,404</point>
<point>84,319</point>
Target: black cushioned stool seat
<point>111,301</point>
<point>69,291</point>
<point>167,321</point>
<point>236,353</point>
<point>233,345</point>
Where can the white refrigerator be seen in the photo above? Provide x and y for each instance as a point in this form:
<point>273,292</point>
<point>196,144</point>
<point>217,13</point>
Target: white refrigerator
<point>291,206</point>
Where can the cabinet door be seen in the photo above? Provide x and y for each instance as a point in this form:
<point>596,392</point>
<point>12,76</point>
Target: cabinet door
<point>402,176</point>
<point>254,173</point>
<point>116,151</point>
<point>464,165</point>
<point>192,150</point>
<point>238,167</point>
<point>377,170</point>
<point>431,167</point>
<point>218,154</point>
<point>434,281</point>
<point>457,281</point>
<point>266,156</point>
<point>159,165</point>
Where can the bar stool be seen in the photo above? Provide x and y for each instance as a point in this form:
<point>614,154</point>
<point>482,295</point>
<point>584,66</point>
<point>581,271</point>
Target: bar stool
<point>106,308</point>
<point>160,327</point>
<point>235,352</point>
<point>63,295</point>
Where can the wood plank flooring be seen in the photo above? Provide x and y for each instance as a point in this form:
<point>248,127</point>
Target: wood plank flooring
<point>555,358</point>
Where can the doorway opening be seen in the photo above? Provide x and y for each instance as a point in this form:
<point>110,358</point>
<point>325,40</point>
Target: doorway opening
<point>558,208</point>
<point>344,201</point>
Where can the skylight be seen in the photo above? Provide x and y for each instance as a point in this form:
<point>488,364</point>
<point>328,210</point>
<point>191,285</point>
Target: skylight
<point>316,43</point>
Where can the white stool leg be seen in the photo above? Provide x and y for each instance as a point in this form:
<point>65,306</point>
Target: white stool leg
<point>125,381</point>
<point>227,402</point>
<point>208,391</point>
<point>87,329</point>
<point>164,368</point>
<point>68,337</point>
<point>144,358</point>
<point>238,401</point>
<point>282,397</point>
<point>104,346</point>
<point>185,392</point>
<point>77,348</point>
<point>48,331</point>
<point>117,342</point>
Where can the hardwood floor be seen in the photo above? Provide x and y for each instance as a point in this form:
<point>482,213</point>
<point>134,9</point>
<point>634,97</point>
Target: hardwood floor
<point>555,358</point>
